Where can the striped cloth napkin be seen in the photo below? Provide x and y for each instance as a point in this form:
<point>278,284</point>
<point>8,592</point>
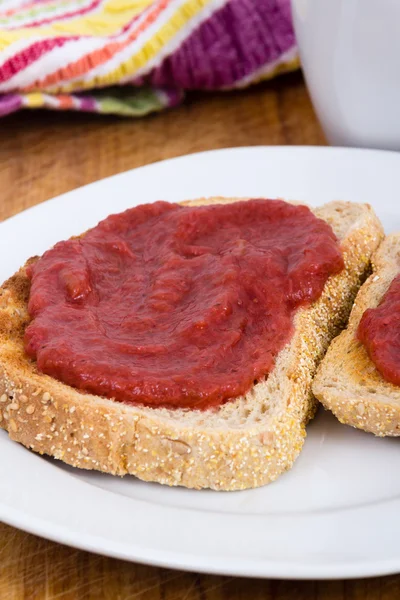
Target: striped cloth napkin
<point>133,57</point>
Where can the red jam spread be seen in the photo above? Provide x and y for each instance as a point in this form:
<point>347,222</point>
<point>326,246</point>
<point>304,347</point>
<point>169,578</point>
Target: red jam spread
<point>379,331</point>
<point>176,306</point>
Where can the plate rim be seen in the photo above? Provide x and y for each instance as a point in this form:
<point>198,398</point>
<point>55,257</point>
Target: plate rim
<point>268,148</point>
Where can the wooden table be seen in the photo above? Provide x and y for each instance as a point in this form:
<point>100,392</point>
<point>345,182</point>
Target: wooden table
<point>45,154</point>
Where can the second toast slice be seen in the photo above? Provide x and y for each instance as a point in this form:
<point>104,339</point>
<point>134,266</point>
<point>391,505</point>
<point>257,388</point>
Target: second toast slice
<point>347,381</point>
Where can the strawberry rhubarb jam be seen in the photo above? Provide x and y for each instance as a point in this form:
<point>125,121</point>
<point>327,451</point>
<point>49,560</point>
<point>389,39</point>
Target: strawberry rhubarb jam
<point>176,306</point>
<point>379,331</point>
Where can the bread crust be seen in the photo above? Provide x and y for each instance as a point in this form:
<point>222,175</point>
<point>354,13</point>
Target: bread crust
<point>245,443</point>
<point>347,381</point>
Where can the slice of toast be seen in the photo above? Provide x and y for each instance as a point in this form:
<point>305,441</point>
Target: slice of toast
<point>347,381</point>
<point>245,443</point>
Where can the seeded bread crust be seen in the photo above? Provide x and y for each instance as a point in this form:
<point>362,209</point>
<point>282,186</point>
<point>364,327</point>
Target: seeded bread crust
<point>245,443</point>
<point>347,381</point>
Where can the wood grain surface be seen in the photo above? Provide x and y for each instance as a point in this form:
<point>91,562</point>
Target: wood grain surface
<point>45,154</point>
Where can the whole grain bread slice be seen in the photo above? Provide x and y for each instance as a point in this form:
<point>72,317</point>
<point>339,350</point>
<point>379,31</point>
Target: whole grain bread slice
<point>245,443</point>
<point>347,381</point>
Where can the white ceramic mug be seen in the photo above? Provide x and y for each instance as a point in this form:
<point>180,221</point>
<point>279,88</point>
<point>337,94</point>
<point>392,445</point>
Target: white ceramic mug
<point>350,52</point>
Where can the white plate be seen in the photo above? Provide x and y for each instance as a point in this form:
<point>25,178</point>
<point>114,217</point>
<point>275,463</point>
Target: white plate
<point>335,514</point>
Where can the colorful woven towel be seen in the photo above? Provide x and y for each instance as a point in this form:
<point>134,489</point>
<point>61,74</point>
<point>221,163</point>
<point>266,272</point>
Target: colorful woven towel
<point>132,57</point>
